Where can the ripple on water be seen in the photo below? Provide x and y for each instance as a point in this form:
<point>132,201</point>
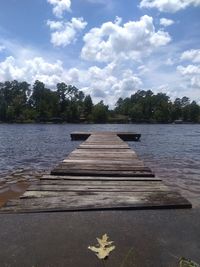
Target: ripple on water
<point>172,151</point>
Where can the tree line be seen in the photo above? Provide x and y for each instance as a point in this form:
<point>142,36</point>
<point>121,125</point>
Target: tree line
<point>21,102</point>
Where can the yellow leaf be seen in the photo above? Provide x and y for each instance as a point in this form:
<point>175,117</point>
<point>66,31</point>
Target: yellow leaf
<point>103,248</point>
<point>187,263</point>
<point>104,241</point>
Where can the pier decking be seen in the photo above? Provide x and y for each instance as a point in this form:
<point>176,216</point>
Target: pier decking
<point>102,173</point>
<point>125,136</point>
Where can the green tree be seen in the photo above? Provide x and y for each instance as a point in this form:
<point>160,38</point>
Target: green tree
<point>136,113</point>
<point>88,105</point>
<point>13,100</point>
<point>194,112</point>
<point>44,101</point>
<point>100,113</point>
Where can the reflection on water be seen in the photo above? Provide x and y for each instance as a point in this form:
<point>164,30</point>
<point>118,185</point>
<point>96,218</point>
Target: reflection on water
<point>172,151</point>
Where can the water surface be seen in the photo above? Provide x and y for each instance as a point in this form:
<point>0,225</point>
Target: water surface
<point>172,151</point>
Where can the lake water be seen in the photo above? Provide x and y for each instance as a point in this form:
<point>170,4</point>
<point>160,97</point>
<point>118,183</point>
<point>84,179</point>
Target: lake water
<point>172,151</point>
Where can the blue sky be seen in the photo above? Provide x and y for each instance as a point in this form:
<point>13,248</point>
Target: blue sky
<point>108,48</point>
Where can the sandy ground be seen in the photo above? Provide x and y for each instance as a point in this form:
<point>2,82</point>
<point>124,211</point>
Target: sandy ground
<point>12,191</point>
<point>158,238</point>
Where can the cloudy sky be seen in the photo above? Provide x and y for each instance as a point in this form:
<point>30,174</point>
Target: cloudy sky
<point>108,48</point>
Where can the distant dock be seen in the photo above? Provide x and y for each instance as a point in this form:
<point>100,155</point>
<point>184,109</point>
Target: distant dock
<point>125,136</point>
<point>102,173</point>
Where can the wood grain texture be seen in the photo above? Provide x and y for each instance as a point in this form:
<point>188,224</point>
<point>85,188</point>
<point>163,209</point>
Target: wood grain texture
<point>125,136</point>
<point>97,178</point>
<point>55,201</point>
<point>102,173</point>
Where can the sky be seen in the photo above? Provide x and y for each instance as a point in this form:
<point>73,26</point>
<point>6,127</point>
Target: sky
<point>107,48</point>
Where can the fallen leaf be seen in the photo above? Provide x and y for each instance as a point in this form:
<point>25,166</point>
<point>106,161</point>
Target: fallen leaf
<point>104,241</point>
<point>103,248</point>
<point>187,263</point>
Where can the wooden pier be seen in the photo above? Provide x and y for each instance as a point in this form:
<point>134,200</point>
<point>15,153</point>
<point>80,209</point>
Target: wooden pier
<point>125,136</point>
<point>102,173</point>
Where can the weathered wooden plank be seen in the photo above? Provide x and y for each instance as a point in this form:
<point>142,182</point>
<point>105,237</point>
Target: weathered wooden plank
<point>107,140</point>
<point>111,142</point>
<point>84,161</point>
<point>125,136</point>
<point>98,178</point>
<point>114,150</point>
<point>103,183</point>
<point>134,173</point>
<point>101,158</point>
<point>93,153</point>
<point>114,144</point>
<point>102,173</point>
<point>98,188</point>
<point>95,201</point>
<point>102,166</point>
<point>103,146</point>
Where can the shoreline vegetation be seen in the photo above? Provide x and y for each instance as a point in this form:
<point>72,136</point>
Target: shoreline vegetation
<point>22,103</point>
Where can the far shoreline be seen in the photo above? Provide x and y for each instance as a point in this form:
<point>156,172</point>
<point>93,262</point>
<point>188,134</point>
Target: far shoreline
<point>94,123</point>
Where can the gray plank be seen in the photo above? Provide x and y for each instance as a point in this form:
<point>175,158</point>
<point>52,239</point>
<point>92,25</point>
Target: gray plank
<point>126,136</point>
<point>54,201</point>
<point>103,146</point>
<point>101,158</point>
<point>102,166</point>
<point>104,183</point>
<point>102,173</point>
<point>110,162</point>
<point>134,173</point>
<point>105,150</point>
<point>98,178</point>
<point>98,188</point>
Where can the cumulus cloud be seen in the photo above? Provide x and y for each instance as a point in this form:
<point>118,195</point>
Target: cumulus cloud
<point>109,82</point>
<point>60,6</point>
<point>166,22</point>
<point>65,33</point>
<point>191,55</point>
<point>171,6</point>
<point>132,40</point>
<point>30,70</point>
<point>189,70</point>
<point>191,73</point>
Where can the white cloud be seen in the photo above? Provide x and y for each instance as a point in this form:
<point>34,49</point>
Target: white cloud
<point>189,70</point>
<point>191,55</point>
<point>191,74</point>
<point>133,40</point>
<point>31,70</point>
<point>108,83</point>
<point>64,33</point>
<point>60,6</point>
<point>54,25</point>
<point>171,6</point>
<point>166,22</point>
